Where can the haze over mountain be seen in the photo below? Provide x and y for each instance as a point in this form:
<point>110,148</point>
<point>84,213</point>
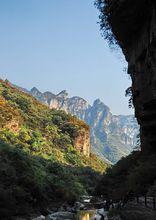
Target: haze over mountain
<point>112,136</point>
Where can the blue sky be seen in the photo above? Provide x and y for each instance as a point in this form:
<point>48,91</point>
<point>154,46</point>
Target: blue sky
<point>56,45</point>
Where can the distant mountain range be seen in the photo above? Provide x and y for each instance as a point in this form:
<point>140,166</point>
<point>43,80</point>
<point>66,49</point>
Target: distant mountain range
<point>112,136</point>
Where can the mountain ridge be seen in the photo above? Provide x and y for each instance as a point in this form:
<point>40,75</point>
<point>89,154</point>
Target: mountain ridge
<point>112,136</point>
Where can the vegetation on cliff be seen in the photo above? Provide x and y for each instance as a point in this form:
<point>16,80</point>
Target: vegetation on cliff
<point>104,6</point>
<point>39,163</point>
<point>121,20</point>
<point>111,136</point>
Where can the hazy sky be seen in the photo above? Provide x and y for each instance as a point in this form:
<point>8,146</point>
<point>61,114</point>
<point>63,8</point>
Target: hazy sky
<point>56,45</point>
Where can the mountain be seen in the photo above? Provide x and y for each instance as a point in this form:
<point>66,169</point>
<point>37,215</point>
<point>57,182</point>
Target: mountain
<point>112,136</point>
<point>42,151</point>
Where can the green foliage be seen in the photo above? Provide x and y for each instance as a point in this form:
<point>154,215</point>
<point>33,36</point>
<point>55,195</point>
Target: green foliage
<point>134,174</point>
<point>143,175</point>
<point>104,6</point>
<point>39,163</point>
<point>129,94</point>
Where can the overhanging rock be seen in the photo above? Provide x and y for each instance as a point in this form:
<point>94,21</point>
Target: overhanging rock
<point>133,23</point>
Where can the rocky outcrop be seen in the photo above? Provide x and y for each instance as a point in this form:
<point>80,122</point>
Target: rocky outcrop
<point>133,24</point>
<point>61,216</point>
<point>75,105</point>
<point>82,142</point>
<point>111,136</point>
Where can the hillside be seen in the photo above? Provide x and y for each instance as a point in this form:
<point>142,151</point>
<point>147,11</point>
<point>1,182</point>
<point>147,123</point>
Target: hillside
<point>42,151</point>
<point>112,136</point>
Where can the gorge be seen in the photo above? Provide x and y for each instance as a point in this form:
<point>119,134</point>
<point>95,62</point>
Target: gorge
<point>44,155</point>
<point>112,136</point>
<point>58,152</point>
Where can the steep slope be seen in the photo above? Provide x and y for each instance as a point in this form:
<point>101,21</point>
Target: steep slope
<point>112,136</point>
<point>42,151</point>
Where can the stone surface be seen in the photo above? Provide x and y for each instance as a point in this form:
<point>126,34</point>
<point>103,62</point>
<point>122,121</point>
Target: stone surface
<point>39,218</point>
<point>112,136</point>
<point>61,216</point>
<point>82,141</point>
<point>134,25</point>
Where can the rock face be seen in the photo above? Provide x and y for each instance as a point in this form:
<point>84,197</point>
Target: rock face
<point>75,105</point>
<point>133,24</point>
<point>82,142</point>
<point>111,136</point>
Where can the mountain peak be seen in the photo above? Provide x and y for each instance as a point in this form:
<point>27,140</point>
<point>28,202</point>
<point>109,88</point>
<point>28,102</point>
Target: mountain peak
<point>100,106</point>
<point>63,94</point>
<point>98,101</point>
<point>34,90</point>
<point>111,136</point>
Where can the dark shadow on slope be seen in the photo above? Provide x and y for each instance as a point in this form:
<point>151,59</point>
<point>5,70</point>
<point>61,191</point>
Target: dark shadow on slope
<point>31,183</point>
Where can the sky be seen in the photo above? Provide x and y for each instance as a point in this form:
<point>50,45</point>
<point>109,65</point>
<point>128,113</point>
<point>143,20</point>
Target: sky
<point>56,45</point>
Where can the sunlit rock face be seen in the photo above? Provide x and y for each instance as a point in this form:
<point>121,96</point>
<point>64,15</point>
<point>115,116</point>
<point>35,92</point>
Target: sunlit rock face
<point>75,106</point>
<point>134,25</point>
<point>82,142</point>
<point>111,136</point>
<point>78,106</point>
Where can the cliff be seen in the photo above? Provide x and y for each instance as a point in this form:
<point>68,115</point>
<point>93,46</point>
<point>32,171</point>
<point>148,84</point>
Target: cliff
<point>112,136</point>
<point>132,24</point>
<point>82,142</point>
<point>11,119</point>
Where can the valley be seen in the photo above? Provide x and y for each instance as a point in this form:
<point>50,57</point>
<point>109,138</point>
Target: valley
<point>112,136</point>
<point>44,155</point>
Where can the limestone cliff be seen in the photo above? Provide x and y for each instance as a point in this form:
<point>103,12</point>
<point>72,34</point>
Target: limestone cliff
<point>111,136</point>
<point>82,142</point>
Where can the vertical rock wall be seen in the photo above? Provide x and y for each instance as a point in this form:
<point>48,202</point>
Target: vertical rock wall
<point>142,68</point>
<point>82,142</point>
<point>133,24</point>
